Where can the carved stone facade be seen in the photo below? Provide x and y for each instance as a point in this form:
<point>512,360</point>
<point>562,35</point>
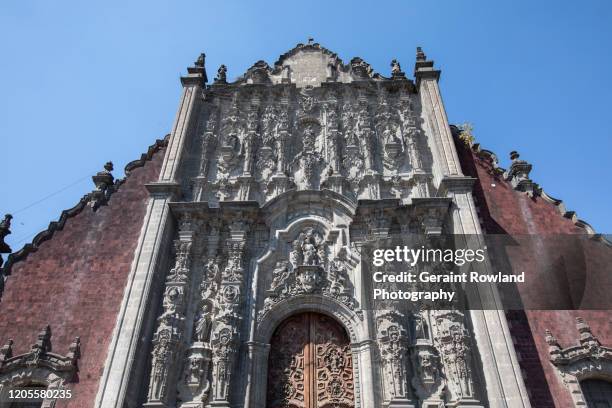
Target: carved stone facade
<point>271,186</point>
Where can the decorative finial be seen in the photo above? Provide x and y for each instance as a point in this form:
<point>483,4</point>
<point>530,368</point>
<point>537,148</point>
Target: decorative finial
<point>221,75</point>
<point>43,343</point>
<point>586,336</point>
<point>6,351</point>
<point>74,350</point>
<point>420,55</point>
<point>554,349</point>
<point>5,229</point>
<point>518,175</point>
<point>201,60</point>
<point>396,69</point>
<point>104,182</point>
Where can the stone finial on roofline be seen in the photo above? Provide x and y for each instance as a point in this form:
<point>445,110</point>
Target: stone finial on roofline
<point>396,70</point>
<point>221,77</point>
<point>424,68</point>
<point>105,186</point>
<point>196,74</point>
<point>518,175</point>
<point>5,229</point>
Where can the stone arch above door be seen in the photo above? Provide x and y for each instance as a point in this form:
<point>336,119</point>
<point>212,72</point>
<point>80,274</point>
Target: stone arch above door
<point>349,319</point>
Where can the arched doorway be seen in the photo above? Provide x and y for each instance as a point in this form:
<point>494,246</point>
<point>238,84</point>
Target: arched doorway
<point>310,364</point>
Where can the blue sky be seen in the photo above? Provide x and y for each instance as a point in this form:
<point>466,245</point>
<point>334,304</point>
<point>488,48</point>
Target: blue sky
<point>86,82</point>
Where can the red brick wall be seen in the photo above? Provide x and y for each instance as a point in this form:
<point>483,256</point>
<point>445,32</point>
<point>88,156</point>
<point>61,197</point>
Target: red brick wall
<point>505,210</point>
<point>75,281</point>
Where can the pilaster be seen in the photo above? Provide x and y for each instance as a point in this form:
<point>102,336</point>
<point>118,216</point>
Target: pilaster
<point>124,366</point>
<point>435,115</point>
<point>503,378</point>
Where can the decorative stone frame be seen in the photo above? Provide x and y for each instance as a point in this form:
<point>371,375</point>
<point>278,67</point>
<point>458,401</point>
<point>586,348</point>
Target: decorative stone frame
<point>37,367</point>
<point>587,360</point>
<point>361,346</point>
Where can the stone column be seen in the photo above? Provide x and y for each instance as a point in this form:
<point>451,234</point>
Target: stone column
<point>225,340</point>
<point>124,367</point>
<point>257,386</point>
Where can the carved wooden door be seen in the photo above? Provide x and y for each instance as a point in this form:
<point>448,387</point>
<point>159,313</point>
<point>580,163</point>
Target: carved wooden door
<point>310,364</point>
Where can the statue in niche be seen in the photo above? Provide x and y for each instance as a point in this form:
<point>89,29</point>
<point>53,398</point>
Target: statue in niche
<point>332,117</point>
<point>308,249</point>
<point>283,120</point>
<point>389,136</point>
<point>268,122</point>
<point>203,323</point>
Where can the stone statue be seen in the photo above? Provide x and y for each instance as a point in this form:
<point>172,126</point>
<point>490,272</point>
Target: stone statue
<point>204,323</point>
<point>396,70</point>
<point>221,75</point>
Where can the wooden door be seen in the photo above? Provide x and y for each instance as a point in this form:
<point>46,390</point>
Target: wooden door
<point>310,364</point>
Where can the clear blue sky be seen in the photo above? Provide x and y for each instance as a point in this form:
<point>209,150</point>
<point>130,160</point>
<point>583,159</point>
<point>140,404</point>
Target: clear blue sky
<point>86,82</point>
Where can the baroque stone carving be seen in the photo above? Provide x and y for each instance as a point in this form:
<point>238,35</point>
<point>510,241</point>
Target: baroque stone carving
<point>587,359</point>
<point>38,366</point>
<point>5,229</point>
<point>393,345</point>
<point>309,269</point>
<point>452,340</point>
<point>170,331</point>
<point>221,75</point>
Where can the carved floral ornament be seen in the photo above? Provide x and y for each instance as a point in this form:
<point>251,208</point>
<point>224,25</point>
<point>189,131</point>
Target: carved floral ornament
<point>38,366</point>
<point>587,359</point>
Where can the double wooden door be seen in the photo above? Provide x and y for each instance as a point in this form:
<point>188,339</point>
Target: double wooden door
<point>310,364</point>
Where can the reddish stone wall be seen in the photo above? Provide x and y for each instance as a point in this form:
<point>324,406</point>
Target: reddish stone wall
<point>74,282</point>
<point>505,210</point>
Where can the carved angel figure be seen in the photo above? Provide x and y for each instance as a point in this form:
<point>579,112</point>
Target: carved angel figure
<point>280,277</point>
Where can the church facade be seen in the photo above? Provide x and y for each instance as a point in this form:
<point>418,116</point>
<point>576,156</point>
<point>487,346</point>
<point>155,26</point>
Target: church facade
<point>225,270</point>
